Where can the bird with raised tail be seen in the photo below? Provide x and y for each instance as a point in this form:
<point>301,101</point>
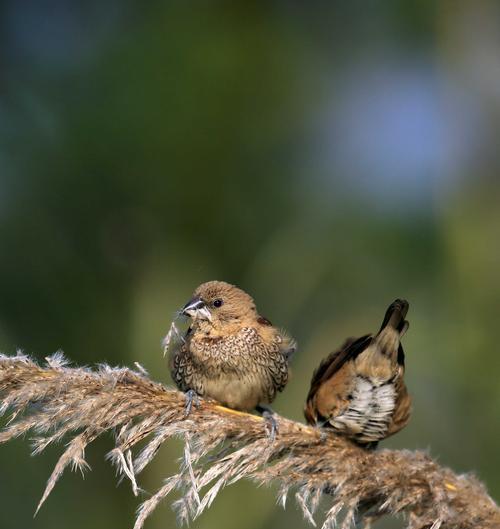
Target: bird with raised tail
<point>230,353</point>
<point>359,390</point>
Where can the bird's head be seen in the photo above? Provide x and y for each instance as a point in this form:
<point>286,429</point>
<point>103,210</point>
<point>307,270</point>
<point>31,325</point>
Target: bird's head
<point>217,303</point>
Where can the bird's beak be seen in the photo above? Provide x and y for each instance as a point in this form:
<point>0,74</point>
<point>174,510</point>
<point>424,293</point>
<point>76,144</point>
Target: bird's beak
<point>196,309</point>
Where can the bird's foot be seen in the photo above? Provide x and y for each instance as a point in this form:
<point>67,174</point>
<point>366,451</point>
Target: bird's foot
<point>370,446</point>
<point>191,398</point>
<point>320,425</point>
<point>270,421</point>
<point>322,435</point>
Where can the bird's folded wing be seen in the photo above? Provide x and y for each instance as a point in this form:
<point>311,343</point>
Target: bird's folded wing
<point>349,350</point>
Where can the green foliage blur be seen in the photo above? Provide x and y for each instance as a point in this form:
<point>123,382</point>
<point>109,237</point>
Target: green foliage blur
<point>327,158</point>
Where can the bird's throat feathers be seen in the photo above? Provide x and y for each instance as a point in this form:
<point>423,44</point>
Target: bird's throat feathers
<point>215,330</point>
<point>219,328</point>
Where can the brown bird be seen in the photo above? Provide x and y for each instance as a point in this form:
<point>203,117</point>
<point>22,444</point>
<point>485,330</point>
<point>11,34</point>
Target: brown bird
<point>230,353</point>
<point>359,390</point>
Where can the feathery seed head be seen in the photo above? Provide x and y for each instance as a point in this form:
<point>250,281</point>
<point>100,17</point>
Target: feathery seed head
<point>222,446</point>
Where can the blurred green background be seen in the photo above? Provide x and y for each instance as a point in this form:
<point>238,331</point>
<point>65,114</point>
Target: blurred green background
<point>325,157</point>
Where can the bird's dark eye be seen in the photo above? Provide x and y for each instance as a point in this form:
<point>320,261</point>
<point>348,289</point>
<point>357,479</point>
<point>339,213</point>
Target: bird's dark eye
<point>218,303</point>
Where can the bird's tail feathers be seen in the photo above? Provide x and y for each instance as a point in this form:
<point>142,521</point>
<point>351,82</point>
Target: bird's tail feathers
<point>395,316</point>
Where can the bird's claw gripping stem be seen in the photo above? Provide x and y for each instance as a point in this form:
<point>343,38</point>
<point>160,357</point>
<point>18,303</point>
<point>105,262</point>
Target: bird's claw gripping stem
<point>191,398</point>
<point>270,421</point>
<point>271,424</point>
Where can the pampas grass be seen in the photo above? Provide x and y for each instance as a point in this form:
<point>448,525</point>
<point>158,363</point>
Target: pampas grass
<point>56,402</point>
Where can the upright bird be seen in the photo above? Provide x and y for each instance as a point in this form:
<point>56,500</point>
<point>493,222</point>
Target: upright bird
<point>359,389</point>
<point>230,353</point>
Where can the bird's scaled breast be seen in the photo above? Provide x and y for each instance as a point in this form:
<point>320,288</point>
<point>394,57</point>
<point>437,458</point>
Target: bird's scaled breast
<point>230,350</point>
<point>239,370</point>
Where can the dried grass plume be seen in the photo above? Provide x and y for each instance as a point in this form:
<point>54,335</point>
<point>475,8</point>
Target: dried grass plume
<point>221,446</point>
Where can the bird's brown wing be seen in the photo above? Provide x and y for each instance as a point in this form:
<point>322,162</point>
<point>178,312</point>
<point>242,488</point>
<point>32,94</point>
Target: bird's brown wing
<point>349,350</point>
<point>328,367</point>
<point>180,368</point>
<point>277,366</point>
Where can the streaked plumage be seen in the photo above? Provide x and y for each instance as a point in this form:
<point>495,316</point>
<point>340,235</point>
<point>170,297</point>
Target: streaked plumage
<point>359,390</point>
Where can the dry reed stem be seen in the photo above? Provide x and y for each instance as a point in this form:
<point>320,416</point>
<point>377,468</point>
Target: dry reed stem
<point>223,446</point>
